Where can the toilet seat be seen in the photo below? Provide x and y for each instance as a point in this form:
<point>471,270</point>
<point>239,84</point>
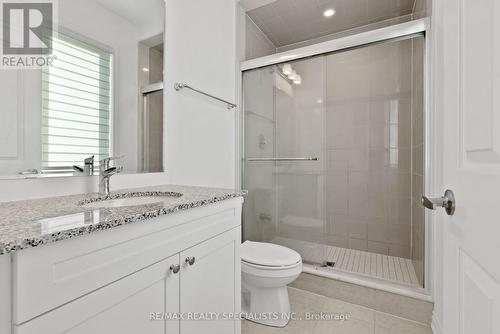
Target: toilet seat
<point>270,272</point>
<point>268,256</point>
<point>257,266</point>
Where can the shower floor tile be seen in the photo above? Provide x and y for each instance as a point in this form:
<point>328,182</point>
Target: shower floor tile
<point>390,268</point>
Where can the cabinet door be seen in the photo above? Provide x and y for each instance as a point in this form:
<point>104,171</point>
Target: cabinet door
<point>125,306</point>
<point>211,285</point>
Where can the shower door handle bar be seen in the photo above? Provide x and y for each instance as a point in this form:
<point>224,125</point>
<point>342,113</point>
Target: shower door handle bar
<point>178,86</point>
<point>284,159</point>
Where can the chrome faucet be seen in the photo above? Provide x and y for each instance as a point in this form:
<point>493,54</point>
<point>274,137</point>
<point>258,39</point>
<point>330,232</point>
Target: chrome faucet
<point>105,173</point>
<point>88,167</point>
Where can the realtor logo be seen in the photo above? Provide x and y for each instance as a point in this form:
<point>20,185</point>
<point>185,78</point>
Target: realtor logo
<point>27,31</point>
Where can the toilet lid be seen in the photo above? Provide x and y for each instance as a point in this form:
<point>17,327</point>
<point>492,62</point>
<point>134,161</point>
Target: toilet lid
<point>266,254</point>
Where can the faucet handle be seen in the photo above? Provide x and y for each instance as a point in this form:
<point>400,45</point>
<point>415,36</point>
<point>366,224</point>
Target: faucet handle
<point>89,160</point>
<point>78,168</point>
<point>108,159</point>
<point>113,170</point>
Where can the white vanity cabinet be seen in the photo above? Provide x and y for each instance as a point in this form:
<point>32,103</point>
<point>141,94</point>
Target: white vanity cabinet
<point>126,279</point>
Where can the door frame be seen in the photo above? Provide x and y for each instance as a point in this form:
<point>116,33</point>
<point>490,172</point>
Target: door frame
<point>433,176</point>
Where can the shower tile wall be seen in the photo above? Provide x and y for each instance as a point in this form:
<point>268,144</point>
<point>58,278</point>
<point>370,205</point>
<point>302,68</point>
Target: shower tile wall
<point>422,8</point>
<point>368,143</point>
<point>257,43</point>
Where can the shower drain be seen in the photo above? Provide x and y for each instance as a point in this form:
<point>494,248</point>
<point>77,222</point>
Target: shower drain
<point>328,264</point>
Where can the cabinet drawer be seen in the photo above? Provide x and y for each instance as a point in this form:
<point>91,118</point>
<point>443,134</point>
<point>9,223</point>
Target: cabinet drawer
<point>46,277</point>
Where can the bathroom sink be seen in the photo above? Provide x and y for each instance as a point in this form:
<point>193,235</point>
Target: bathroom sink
<point>129,199</point>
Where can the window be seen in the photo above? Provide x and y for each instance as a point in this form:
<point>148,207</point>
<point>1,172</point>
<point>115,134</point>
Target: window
<point>76,104</point>
<point>394,134</point>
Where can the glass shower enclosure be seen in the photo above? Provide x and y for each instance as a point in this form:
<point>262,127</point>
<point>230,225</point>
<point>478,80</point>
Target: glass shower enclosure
<point>334,156</point>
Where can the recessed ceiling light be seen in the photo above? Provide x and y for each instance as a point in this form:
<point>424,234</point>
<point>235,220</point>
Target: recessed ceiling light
<point>145,69</point>
<point>329,12</point>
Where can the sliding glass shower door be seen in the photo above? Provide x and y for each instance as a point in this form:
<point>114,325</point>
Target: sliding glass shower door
<point>284,157</point>
<point>334,156</point>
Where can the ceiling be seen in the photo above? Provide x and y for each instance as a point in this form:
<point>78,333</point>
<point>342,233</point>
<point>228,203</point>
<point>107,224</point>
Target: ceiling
<point>140,13</point>
<point>291,21</point>
<point>252,4</point>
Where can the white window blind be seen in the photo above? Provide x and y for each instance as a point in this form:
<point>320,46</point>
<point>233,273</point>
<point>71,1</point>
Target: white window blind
<point>77,104</point>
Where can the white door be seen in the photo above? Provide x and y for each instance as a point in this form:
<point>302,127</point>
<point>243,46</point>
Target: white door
<point>210,285</point>
<point>468,98</point>
<point>123,307</point>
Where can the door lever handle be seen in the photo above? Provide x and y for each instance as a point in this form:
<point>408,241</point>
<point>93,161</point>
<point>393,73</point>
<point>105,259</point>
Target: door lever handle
<point>447,202</point>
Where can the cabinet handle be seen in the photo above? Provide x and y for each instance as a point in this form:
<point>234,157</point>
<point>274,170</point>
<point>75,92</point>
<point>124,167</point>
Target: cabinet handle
<point>190,260</point>
<point>175,268</point>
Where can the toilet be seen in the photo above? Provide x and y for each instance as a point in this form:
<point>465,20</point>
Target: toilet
<point>266,269</point>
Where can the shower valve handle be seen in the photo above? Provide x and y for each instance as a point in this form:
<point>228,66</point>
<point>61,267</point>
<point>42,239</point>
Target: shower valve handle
<point>447,202</point>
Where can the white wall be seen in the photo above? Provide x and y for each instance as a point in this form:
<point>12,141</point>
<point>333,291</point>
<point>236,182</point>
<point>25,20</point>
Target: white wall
<point>200,132</point>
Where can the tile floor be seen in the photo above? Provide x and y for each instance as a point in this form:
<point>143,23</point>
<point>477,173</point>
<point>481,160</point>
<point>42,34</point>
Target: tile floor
<point>362,320</point>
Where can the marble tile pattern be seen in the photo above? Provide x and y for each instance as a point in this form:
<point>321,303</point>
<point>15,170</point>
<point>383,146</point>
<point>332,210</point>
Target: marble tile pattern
<point>31,223</point>
<point>360,319</point>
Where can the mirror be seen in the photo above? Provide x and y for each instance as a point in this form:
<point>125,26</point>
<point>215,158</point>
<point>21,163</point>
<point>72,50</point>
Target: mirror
<point>102,96</point>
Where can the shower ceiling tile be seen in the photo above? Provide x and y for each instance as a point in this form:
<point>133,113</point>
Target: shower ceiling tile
<point>291,21</point>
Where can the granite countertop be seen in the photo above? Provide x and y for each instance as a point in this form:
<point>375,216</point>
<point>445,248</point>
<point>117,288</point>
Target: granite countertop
<point>31,223</point>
